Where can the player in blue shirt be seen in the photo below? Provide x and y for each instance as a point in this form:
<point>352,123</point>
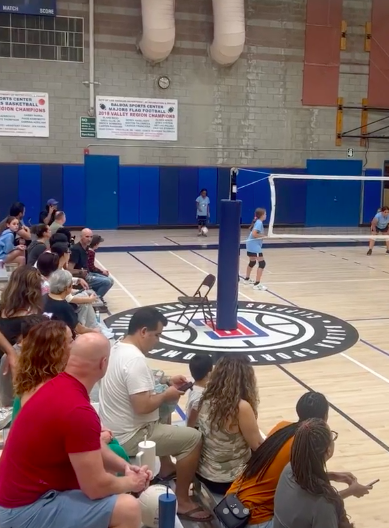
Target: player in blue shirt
<point>380,225</point>
<point>202,211</point>
<point>254,249</point>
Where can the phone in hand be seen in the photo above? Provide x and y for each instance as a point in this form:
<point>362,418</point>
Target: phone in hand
<point>186,387</point>
<point>374,482</point>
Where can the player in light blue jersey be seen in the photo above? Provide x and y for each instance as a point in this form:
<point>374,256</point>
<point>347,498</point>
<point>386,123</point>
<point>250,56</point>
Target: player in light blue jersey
<point>202,212</point>
<point>380,226</point>
<point>254,249</point>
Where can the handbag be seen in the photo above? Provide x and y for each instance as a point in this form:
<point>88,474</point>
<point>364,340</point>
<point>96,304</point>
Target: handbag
<point>231,512</point>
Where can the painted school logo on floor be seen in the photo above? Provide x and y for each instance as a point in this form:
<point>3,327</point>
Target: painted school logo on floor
<point>266,334</point>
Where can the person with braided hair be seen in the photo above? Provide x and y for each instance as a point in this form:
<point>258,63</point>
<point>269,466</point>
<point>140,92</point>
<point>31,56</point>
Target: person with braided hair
<point>257,485</point>
<point>305,497</point>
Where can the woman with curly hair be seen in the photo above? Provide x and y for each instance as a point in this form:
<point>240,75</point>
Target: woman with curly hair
<point>21,299</point>
<point>44,353</point>
<point>305,497</point>
<point>227,418</point>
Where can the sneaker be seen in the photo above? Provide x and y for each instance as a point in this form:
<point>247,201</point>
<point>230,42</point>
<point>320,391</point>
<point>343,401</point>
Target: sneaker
<point>247,281</point>
<point>371,251</point>
<point>259,287</point>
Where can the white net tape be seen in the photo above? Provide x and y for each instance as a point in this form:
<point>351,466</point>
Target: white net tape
<point>312,235</point>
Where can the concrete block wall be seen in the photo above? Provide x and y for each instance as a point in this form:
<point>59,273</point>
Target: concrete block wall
<point>250,113</point>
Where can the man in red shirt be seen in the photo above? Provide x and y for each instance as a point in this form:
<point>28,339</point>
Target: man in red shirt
<point>54,470</point>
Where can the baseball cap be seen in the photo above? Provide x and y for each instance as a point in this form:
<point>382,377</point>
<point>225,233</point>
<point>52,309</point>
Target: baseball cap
<point>52,201</point>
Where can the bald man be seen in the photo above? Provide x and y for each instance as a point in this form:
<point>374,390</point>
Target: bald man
<point>101,284</point>
<point>54,471</point>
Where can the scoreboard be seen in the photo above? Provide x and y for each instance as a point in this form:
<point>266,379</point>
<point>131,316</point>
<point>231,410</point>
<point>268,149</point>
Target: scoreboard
<point>29,7</point>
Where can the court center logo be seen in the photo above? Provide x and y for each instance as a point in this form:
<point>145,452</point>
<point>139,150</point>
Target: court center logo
<point>266,334</point>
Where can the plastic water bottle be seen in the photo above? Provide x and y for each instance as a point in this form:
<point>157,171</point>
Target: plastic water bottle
<point>98,316</point>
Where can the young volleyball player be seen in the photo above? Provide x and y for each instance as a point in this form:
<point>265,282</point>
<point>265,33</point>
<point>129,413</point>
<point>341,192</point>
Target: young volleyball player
<point>380,224</point>
<point>254,249</point>
<point>202,211</point>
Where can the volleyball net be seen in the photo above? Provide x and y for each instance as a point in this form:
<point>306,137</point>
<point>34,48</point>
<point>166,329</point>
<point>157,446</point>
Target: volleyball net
<point>314,206</point>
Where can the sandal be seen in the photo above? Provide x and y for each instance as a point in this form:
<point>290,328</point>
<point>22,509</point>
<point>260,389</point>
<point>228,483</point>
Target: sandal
<point>188,516</point>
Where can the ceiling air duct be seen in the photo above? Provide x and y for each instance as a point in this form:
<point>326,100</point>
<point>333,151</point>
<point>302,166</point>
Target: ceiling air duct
<point>229,31</point>
<point>159,29</point>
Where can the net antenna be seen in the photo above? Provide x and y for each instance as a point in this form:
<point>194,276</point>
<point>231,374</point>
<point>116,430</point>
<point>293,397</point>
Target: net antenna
<point>313,236</point>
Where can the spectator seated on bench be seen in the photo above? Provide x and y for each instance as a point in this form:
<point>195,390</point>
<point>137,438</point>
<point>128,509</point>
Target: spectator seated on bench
<point>64,475</point>
<point>257,485</point>
<point>48,215</point>
<point>20,300</point>
<point>83,301</point>
<point>98,282</point>
<point>55,302</point>
<point>55,338</point>
<point>200,368</point>
<point>130,407</point>
<point>39,245</point>
<point>59,221</point>
<point>18,210</point>
<point>305,497</point>
<point>227,419</point>
<point>9,253</point>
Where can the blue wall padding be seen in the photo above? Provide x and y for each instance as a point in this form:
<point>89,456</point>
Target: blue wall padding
<point>223,188</point>
<point>372,195</point>
<point>73,178</point>
<point>168,195</point>
<point>101,194</point>
<point>30,191</point>
<point>129,178</point>
<point>9,185</point>
<point>149,196</point>
<point>333,203</point>
<point>52,186</point>
<point>207,179</point>
<point>102,181</point>
<point>187,194</point>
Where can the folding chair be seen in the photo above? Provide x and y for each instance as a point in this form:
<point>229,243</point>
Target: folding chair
<point>198,300</point>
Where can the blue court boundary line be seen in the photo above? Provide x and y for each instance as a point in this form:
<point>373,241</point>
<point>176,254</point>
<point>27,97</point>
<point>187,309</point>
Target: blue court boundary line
<point>282,368</point>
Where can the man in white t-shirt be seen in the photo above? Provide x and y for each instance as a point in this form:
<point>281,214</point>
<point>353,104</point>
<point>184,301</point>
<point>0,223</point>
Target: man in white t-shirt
<point>129,407</point>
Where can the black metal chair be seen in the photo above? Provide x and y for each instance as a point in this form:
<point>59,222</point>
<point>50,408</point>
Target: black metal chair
<point>198,300</point>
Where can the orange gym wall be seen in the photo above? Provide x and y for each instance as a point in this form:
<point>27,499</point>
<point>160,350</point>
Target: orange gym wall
<point>322,52</point>
<point>378,93</point>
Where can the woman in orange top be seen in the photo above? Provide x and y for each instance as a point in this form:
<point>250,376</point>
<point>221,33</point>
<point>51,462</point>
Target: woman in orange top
<point>257,485</point>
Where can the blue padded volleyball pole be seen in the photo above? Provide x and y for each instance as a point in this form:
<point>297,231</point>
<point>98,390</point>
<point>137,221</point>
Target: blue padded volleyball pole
<point>228,261</point>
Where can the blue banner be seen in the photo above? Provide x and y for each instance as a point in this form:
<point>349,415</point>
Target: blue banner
<point>29,7</point>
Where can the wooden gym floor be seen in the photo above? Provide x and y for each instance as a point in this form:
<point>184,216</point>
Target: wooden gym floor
<point>340,281</point>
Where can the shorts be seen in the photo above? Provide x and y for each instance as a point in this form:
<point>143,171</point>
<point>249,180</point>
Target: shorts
<point>251,254</point>
<point>56,509</point>
<point>382,229</point>
<point>170,440</point>
<point>202,220</point>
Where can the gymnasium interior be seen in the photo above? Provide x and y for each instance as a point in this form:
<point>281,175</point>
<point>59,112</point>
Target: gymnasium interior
<point>123,111</point>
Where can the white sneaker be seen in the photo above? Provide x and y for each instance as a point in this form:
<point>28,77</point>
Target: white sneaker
<point>105,331</point>
<point>247,281</point>
<point>259,287</point>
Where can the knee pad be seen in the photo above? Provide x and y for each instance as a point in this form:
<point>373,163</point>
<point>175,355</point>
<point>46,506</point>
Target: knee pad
<point>251,263</point>
<point>261,264</point>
